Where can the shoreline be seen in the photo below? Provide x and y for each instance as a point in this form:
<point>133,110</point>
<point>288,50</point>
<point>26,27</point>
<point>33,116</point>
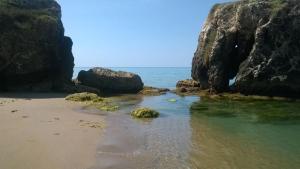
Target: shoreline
<point>42,130</point>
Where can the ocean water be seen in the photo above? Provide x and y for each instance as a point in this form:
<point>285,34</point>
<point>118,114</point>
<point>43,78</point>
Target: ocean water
<point>164,77</point>
<point>196,132</point>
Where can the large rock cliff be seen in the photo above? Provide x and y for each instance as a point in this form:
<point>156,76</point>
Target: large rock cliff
<point>255,41</point>
<point>34,53</point>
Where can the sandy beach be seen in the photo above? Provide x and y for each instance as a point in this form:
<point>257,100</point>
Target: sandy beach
<point>43,131</point>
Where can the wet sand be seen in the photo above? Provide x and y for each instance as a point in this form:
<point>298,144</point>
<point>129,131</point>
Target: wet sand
<point>43,131</point>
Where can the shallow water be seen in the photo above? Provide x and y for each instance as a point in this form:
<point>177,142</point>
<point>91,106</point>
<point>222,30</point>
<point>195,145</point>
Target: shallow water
<point>197,133</point>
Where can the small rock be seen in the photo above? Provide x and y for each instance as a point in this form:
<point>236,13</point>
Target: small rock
<point>144,113</point>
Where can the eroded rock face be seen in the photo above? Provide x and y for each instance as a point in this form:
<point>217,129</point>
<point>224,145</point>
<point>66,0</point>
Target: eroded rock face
<point>255,41</point>
<point>109,81</point>
<point>34,53</point>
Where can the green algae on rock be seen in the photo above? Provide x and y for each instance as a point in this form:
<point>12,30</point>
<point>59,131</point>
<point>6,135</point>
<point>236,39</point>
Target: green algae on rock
<point>93,100</point>
<point>172,100</point>
<point>84,97</point>
<point>144,113</point>
<point>106,106</point>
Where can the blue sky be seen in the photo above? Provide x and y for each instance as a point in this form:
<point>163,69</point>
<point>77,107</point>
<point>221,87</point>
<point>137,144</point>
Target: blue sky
<point>134,33</point>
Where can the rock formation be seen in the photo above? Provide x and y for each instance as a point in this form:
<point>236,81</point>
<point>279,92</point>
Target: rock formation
<point>188,86</point>
<point>34,53</point>
<point>256,41</point>
<point>153,91</point>
<point>109,81</point>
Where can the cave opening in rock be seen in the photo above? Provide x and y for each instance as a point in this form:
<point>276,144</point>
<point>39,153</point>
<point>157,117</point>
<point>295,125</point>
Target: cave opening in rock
<point>241,48</point>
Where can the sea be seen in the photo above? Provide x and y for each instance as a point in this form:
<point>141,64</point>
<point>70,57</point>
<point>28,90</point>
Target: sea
<point>163,77</point>
<point>197,133</point>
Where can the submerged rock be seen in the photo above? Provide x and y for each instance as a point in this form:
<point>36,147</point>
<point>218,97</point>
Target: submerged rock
<point>110,81</point>
<point>34,53</point>
<point>144,113</point>
<point>254,41</point>
<point>172,100</point>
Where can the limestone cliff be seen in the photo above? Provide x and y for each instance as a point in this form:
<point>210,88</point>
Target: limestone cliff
<point>256,41</point>
<point>34,53</point>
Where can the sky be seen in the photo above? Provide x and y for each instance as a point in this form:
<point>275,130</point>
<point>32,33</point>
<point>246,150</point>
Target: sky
<point>134,33</point>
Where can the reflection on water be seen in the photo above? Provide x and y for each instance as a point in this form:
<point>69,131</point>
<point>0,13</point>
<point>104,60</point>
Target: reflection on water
<point>196,133</point>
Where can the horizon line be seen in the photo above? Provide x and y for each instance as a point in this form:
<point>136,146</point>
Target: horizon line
<point>134,66</point>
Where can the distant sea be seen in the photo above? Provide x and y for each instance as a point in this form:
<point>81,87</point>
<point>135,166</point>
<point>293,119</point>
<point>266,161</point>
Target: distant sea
<point>164,77</point>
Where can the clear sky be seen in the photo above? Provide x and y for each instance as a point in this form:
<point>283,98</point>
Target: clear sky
<point>134,33</point>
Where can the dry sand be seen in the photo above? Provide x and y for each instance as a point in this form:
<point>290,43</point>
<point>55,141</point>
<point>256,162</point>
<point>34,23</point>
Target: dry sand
<point>43,131</point>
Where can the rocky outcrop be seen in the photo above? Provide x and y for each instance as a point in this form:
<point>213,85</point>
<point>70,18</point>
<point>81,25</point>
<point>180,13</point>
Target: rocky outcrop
<point>255,41</point>
<point>109,81</point>
<point>153,91</point>
<point>34,53</point>
<point>188,86</point>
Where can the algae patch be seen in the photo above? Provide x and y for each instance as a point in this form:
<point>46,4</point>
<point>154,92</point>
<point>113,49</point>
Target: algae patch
<point>93,100</point>
<point>84,97</point>
<point>172,100</point>
<point>144,113</point>
<point>258,111</point>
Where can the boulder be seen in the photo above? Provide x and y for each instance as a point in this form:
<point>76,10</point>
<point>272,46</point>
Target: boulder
<point>254,42</point>
<point>34,53</point>
<point>109,81</point>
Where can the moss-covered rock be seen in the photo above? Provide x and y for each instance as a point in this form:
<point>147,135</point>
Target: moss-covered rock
<point>94,100</point>
<point>84,97</point>
<point>144,113</point>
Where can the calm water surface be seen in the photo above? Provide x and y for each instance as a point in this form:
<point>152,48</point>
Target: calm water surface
<point>156,76</point>
<point>196,133</point>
